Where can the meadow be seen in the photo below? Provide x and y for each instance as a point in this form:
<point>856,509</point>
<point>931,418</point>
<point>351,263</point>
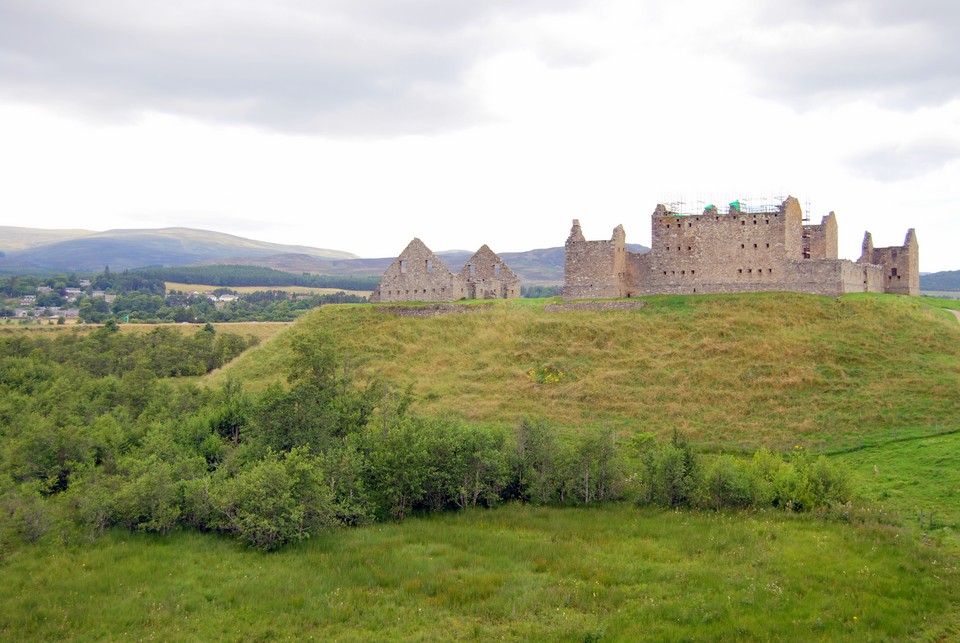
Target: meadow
<point>872,381</point>
<point>516,572</point>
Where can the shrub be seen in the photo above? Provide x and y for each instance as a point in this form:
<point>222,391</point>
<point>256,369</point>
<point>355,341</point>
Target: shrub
<point>726,482</point>
<point>276,501</point>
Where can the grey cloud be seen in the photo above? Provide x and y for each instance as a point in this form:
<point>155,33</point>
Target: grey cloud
<point>899,162</point>
<point>354,67</point>
<point>902,55</point>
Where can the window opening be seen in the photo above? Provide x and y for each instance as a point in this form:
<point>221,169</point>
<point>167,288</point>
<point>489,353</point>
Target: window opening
<point>403,265</point>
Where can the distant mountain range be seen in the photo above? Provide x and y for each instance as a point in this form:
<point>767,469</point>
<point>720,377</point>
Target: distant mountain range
<point>946,281</point>
<point>86,251</point>
<point>33,249</point>
<point>543,266</point>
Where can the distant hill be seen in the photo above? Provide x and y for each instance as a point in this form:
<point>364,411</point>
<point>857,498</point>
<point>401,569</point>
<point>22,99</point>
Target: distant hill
<point>13,238</point>
<point>948,280</point>
<point>86,251</point>
<point>543,266</point>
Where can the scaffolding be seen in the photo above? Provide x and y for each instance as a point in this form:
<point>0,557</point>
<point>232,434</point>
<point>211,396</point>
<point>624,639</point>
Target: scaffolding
<point>682,206</point>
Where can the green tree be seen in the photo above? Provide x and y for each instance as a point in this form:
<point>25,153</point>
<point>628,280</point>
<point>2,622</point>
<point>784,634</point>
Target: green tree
<point>277,500</point>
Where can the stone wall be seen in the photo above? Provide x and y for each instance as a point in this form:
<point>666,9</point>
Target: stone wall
<point>900,265</point>
<point>594,269</point>
<point>418,275</point>
<point>820,241</point>
<point>718,252</point>
<point>733,251</point>
<point>486,276</point>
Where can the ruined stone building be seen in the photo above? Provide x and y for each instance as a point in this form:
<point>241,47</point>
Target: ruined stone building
<point>770,249</point>
<point>487,277</point>
<point>419,275</point>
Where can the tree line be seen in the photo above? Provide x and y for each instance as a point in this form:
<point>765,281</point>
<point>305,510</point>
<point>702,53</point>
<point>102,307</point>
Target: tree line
<point>238,275</point>
<point>96,431</point>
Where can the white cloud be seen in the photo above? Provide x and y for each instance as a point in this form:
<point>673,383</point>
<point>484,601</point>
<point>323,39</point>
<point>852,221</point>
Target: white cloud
<point>357,125</point>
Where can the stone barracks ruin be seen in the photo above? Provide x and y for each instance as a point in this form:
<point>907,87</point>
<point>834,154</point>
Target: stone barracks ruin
<point>419,275</point>
<point>761,249</point>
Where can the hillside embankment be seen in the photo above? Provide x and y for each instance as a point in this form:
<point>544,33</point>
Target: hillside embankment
<point>733,372</point>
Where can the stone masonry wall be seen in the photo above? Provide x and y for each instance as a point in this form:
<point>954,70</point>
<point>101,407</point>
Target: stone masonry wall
<point>418,275</point>
<point>486,276</point>
<point>719,252</point>
<point>900,265</point>
<point>594,269</point>
<point>735,251</point>
<point>820,241</point>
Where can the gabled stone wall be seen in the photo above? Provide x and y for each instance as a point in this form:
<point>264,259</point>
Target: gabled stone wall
<point>418,275</point>
<point>486,276</point>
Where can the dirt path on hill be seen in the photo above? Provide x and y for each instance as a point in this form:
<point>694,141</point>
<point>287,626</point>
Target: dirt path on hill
<point>956,313</point>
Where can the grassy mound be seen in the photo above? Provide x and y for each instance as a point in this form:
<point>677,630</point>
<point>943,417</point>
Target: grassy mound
<point>733,371</point>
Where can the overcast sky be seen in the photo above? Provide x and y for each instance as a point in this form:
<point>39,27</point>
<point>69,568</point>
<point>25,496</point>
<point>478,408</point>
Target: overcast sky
<point>359,124</point>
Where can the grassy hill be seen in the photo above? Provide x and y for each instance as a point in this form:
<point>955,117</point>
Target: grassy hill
<point>734,371</point>
<point>947,281</point>
<point>61,250</point>
<point>13,238</point>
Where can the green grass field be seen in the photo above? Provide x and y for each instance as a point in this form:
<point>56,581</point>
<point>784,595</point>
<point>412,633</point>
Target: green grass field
<point>518,572</point>
<point>919,479</point>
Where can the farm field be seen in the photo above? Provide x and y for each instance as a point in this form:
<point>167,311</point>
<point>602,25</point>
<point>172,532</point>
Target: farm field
<point>171,285</point>
<point>261,330</point>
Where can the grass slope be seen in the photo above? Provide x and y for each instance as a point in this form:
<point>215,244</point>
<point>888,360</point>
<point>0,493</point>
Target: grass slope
<point>734,371</point>
<point>919,478</point>
<point>519,573</point>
